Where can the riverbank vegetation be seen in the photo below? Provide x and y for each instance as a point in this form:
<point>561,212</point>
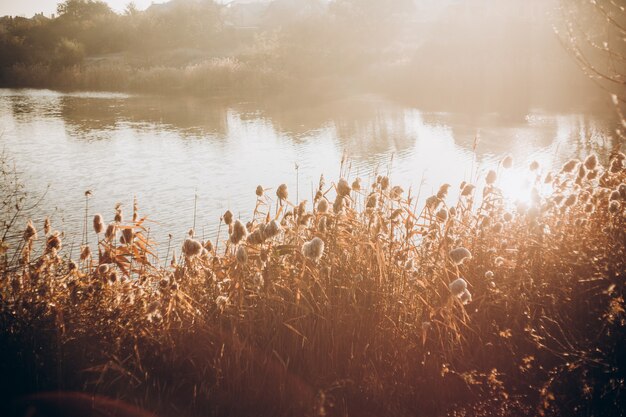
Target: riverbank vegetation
<point>359,302</point>
<point>405,50</point>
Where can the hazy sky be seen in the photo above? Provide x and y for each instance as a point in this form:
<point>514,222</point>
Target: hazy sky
<point>28,8</point>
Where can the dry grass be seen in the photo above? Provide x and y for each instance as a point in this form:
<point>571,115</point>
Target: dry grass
<point>344,309</point>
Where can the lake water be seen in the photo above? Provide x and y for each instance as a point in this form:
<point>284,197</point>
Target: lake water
<point>167,151</point>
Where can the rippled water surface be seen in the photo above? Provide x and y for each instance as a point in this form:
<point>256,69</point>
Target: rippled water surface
<point>167,151</point>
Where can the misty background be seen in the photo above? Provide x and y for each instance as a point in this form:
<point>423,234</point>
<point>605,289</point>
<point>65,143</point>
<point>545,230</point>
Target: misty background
<point>467,54</point>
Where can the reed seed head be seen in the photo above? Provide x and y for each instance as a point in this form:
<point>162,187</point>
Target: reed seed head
<point>46,226</point>
<point>491,177</point>
<point>98,224</point>
<point>238,233</point>
<point>591,162</point>
<point>507,162</point>
<point>228,217</point>
<point>343,188</point>
<point>242,255</point>
<point>272,229</point>
<point>458,286</point>
<point>191,248</point>
<point>534,165</point>
<point>313,249</point>
<point>30,233</point>
<point>570,165</point>
<point>281,192</point>
<point>259,191</point>
<point>459,255</point>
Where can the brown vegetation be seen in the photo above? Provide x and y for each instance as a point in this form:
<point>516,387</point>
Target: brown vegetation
<point>364,305</point>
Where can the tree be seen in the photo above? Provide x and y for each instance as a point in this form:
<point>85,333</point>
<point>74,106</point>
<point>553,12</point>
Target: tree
<point>594,32</point>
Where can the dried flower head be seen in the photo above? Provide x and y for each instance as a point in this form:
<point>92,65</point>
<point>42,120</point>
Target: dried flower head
<point>343,188</point>
<point>54,242</point>
<point>191,248</point>
<point>384,183</point>
<point>491,177</point>
<point>46,226</point>
<point>459,255</point>
<point>103,269</point>
<point>111,232</point>
<point>339,204</point>
<point>272,229</point>
<point>570,165</point>
<point>228,217</point>
<point>489,274</point>
<point>281,192</point>
<point>242,255</point>
<point>615,196</point>
<point>313,249</point>
<point>85,253</point>
<point>259,191</point>
<point>238,233</point>
<point>534,165</point>
<point>458,286</point>
<point>127,236</point>
<point>396,192</point>
<point>322,206</point>
<point>507,162</point>
<point>443,191</point>
<point>591,162</point>
<point>356,184</point>
<point>98,224</point>
<point>442,215</point>
<point>372,201</point>
<point>30,233</point>
<point>467,190</point>
<point>465,297</point>
<point>614,207</point>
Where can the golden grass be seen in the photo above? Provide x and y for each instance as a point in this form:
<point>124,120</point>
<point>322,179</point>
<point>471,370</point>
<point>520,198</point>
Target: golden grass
<point>354,308</point>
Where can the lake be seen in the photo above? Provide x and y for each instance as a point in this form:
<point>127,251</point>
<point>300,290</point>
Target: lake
<point>176,153</point>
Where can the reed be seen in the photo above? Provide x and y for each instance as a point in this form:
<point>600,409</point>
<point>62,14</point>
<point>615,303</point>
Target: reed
<point>466,307</point>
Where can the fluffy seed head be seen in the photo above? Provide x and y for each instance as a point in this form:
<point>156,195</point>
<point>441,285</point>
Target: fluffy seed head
<point>53,242</point>
<point>322,206</point>
<point>103,269</point>
<point>442,215</point>
<point>85,253</point>
<point>591,162</point>
<point>338,204</point>
<point>272,229</point>
<point>313,249</point>
<point>343,188</point>
<point>239,232</point>
<point>466,297</point>
<point>228,217</point>
<point>570,165</point>
<point>356,184</point>
<point>46,226</point>
<point>458,286</point>
<point>384,182</point>
<point>491,177</point>
<point>242,255</point>
<point>281,192</point>
<point>98,224</point>
<point>259,191</point>
<point>30,233</point>
<point>459,255</point>
<point>396,192</point>
<point>507,162</point>
<point>534,165</point>
<point>489,274</point>
<point>614,207</point>
<point>191,247</point>
<point>467,190</point>
<point>111,231</point>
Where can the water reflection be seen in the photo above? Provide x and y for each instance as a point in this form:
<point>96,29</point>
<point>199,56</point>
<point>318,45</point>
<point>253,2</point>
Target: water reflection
<point>165,151</point>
